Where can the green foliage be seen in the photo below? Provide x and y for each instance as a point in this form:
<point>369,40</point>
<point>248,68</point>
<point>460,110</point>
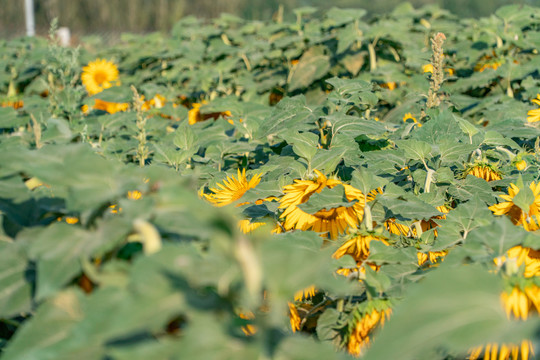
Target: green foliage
<point>109,251</point>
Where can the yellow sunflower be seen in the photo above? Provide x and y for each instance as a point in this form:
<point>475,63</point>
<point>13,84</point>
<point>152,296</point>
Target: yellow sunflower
<point>534,115</point>
<point>359,338</point>
<point>195,115</point>
<point>521,302</point>
<point>305,294</point>
<point>520,255</point>
<point>503,351</point>
<point>410,231</point>
<point>249,329</point>
<point>99,75</point>
<point>295,318</point>
<point>334,221</point>
<point>521,164</point>
<point>232,189</point>
<point>530,220</point>
<point>432,256</point>
<point>484,171</point>
<point>71,220</point>
<point>358,247</point>
<point>246,226</point>
<point>110,107</point>
<point>16,104</point>
<point>408,117</point>
<point>487,62</point>
<point>134,195</point>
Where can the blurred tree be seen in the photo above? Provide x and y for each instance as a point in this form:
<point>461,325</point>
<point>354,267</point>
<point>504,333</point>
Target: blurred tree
<point>105,16</point>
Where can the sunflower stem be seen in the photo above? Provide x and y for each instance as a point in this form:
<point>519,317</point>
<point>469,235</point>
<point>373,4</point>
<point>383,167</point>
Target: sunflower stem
<point>368,220</point>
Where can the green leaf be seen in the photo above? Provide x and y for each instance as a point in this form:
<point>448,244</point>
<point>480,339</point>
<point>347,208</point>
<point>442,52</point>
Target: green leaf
<point>185,138</point>
<point>452,309</point>
<point>326,161</point>
<point>16,281</point>
<point>310,67</point>
<point>365,181</point>
<point>524,199</point>
<point>326,199</point>
<point>304,144</point>
<point>470,187</point>
<point>496,139</point>
<point>415,149</point>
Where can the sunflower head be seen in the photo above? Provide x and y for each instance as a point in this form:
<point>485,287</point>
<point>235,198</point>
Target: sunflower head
<point>409,118</point>
<point>232,189</point>
<point>534,114</point>
<point>99,75</point>
<point>362,327</point>
<point>332,220</point>
<point>528,218</point>
<point>484,170</point>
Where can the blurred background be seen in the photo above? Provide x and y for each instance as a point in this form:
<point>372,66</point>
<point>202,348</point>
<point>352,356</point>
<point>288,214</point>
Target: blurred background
<point>107,17</point>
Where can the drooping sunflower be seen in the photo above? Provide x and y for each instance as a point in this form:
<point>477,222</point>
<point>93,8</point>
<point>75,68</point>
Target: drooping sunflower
<point>410,231</point>
<point>432,256</point>
<point>503,351</point>
<point>484,171</point>
<point>305,294</point>
<point>333,221</point>
<point>358,247</point>
<point>521,302</point>
<point>534,115</point>
<point>232,189</point>
<point>99,75</point>
<point>359,337</point>
<point>530,220</point>
<point>295,318</point>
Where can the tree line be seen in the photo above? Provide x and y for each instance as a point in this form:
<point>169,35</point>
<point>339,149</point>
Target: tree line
<point>106,16</point>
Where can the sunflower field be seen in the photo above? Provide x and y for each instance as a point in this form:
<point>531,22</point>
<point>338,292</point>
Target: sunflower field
<point>327,188</point>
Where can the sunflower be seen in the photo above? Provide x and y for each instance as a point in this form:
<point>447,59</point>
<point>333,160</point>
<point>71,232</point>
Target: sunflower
<point>487,62</point>
<point>110,107</point>
<point>358,247</point>
<point>195,115</point>
<point>408,117</point>
<point>99,75</point>
<point>484,171</point>
<point>295,319</point>
<point>248,329</point>
<point>410,231</point>
<point>391,85</point>
<point>521,164</point>
<point>359,338</point>
<point>232,189</point>
<point>158,101</point>
<point>246,226</point>
<point>334,221</point>
<point>503,351</point>
<point>521,302</point>
<point>16,104</point>
<point>305,294</point>
<point>520,255</point>
<point>71,220</point>
<point>530,220</point>
<point>134,195</point>
<point>534,115</point>
<point>433,256</point>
